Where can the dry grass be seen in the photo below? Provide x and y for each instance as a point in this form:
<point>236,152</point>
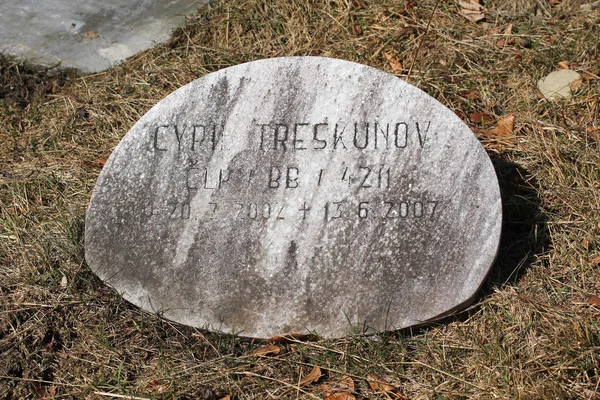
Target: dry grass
<point>533,334</point>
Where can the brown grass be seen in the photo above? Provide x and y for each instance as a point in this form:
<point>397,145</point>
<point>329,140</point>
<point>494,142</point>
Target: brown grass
<point>534,333</point>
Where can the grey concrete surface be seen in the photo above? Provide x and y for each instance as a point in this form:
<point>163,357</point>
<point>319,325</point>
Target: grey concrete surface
<point>88,35</point>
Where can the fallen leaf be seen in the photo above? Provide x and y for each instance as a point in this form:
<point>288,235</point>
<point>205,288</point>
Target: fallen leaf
<point>506,125</point>
<point>594,300</point>
<point>588,76</point>
<point>40,392</point>
<point>576,84</point>
<point>508,30</point>
<point>481,118</point>
<point>98,163</point>
<point>341,396</point>
<point>21,142</point>
<point>586,244</point>
<point>460,114</point>
<point>269,349</point>
<point>358,30</point>
<point>505,42</point>
<point>313,376</point>
<point>226,398</point>
<point>471,10</point>
<point>523,42</point>
<point>408,7</point>
<point>63,282</point>
<point>563,64</point>
<point>91,35</point>
<point>155,385</point>
<point>379,385</point>
<point>471,95</point>
<point>345,385</point>
<point>395,64</point>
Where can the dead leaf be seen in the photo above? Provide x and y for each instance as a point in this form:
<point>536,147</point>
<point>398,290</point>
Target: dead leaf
<point>503,129</point>
<point>471,10</point>
<point>91,35</point>
<point>508,30</point>
<point>505,42</point>
<point>40,392</point>
<point>63,282</point>
<point>460,114</point>
<point>157,387</point>
<point>22,142</point>
<point>395,64</point>
<point>408,7</point>
<point>563,64</point>
<point>586,244</point>
<point>576,84</point>
<point>226,398</point>
<point>312,377</point>
<point>506,125</point>
<point>97,163</point>
<point>377,384</point>
<point>471,95</point>
<point>594,300</point>
<point>481,118</point>
<point>593,129</point>
<point>341,396</point>
<point>267,350</point>
<point>358,30</point>
<point>588,76</point>
<point>345,385</point>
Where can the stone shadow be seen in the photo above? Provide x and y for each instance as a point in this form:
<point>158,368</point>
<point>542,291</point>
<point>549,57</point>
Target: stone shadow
<point>524,236</point>
<point>524,227</point>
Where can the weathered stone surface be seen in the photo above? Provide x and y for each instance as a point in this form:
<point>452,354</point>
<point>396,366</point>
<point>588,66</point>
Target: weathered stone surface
<point>89,35</point>
<point>296,195</point>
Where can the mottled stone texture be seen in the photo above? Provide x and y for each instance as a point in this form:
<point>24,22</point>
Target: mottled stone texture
<point>89,35</point>
<point>296,195</point>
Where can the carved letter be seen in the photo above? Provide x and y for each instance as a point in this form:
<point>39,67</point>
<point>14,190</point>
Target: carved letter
<point>316,139</point>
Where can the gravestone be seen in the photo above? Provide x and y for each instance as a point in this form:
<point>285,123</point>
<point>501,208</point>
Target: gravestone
<point>296,195</point>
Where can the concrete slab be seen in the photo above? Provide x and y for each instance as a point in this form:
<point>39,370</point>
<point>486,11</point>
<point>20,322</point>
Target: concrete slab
<point>88,35</point>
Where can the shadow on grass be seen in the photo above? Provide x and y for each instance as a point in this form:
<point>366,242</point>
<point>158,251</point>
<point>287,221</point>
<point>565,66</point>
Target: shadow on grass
<point>524,236</point>
<point>524,227</point>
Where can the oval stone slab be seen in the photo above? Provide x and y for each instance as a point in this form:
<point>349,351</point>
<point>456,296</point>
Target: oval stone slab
<point>296,195</point>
